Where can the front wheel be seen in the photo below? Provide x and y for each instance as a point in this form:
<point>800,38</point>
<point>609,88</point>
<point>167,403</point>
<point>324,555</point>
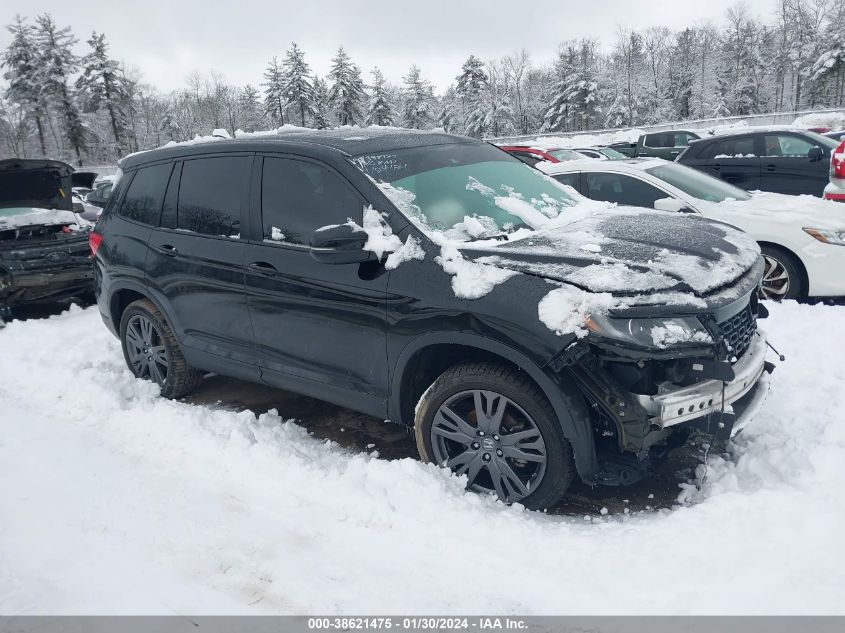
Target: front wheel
<point>782,277</point>
<point>494,425</point>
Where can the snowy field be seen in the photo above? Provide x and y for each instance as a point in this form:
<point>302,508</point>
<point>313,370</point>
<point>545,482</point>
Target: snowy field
<point>113,500</point>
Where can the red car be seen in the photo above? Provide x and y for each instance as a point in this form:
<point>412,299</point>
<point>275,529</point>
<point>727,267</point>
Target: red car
<point>533,155</point>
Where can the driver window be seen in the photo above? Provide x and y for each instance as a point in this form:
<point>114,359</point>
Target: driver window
<point>787,146</point>
<point>299,197</point>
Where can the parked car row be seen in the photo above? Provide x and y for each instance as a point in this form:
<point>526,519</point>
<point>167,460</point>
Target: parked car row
<point>526,335</point>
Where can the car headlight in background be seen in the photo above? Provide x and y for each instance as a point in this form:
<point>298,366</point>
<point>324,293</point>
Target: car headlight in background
<point>651,333</point>
<point>828,236</point>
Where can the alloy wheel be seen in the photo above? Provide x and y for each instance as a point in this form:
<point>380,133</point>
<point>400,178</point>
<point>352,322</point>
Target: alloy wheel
<point>146,350</point>
<point>492,440</point>
<point>775,283</point>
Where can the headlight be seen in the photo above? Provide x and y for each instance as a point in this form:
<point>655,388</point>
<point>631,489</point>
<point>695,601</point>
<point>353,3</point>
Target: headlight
<point>827,236</point>
<point>661,333</point>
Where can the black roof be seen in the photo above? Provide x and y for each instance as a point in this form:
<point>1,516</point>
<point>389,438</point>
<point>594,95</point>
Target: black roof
<point>347,141</point>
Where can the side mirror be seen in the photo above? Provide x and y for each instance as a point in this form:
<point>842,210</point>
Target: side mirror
<point>339,244</point>
<point>669,204</point>
<point>815,154</point>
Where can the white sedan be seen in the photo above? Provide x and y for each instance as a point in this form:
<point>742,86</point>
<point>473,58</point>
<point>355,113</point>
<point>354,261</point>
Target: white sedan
<point>802,237</point>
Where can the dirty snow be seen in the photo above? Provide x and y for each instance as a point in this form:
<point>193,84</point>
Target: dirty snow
<point>116,501</point>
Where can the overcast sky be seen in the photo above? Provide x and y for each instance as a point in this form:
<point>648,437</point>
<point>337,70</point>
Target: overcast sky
<point>167,40</point>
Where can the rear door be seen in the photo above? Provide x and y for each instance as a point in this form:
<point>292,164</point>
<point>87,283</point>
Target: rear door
<point>319,328</point>
<point>196,261</point>
<point>787,168</point>
<point>735,160</point>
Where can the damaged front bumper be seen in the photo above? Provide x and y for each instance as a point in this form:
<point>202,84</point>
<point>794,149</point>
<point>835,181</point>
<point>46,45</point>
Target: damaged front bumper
<point>41,286</point>
<point>674,405</point>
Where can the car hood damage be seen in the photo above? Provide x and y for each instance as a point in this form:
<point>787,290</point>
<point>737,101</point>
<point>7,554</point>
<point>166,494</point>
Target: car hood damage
<point>629,252</point>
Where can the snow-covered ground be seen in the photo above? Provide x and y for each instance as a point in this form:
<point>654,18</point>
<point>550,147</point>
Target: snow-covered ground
<point>113,500</point>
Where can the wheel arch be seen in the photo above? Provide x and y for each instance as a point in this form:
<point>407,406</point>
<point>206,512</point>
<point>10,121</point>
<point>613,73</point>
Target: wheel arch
<point>427,356</point>
<point>125,294</point>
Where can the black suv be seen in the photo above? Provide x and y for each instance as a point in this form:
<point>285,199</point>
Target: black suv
<point>422,278</point>
<point>776,160</point>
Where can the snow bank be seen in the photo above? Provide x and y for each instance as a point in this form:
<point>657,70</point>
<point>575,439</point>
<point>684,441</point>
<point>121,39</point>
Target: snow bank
<point>833,120</point>
<point>200,509</point>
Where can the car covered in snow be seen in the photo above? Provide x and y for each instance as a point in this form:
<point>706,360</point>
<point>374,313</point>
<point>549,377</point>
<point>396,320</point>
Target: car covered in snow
<point>801,237</point>
<point>43,243</point>
<point>527,335</point>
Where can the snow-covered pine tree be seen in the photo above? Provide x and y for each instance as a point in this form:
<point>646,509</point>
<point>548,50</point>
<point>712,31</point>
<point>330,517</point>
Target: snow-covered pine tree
<point>102,87</point>
<point>57,64</point>
<point>380,110</point>
<point>20,59</point>
<point>274,92</point>
<point>417,100</point>
<point>249,102</point>
<point>298,90</point>
<point>449,105</point>
<point>322,119</point>
<point>347,92</point>
<point>559,112</point>
<point>471,87</point>
<point>500,119</point>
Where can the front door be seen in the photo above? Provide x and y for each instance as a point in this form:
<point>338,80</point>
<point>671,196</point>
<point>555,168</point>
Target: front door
<point>787,168</point>
<point>319,328</point>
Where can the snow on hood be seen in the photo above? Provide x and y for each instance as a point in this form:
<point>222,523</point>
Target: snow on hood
<point>797,211</point>
<point>17,218</point>
<point>628,251</point>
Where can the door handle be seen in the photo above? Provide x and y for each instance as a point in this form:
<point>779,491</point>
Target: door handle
<point>717,167</point>
<point>770,167</point>
<point>167,249</point>
<point>262,268</point>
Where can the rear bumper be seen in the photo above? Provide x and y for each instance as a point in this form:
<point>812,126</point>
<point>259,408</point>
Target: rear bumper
<point>676,405</point>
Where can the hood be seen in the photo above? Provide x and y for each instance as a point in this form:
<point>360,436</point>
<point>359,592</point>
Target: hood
<point>40,184</point>
<point>629,251</point>
<point>25,217</point>
<point>767,208</point>
<point>84,179</point>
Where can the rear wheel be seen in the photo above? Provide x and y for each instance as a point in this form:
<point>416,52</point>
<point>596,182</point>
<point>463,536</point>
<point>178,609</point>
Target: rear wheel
<point>151,350</point>
<point>782,278</point>
<point>495,426</point>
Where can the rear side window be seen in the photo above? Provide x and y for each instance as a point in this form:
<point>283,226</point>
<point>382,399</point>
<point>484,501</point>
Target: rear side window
<point>298,197</point>
<point>735,147</point>
<point>145,195</point>
<point>211,192</point>
<point>622,189</point>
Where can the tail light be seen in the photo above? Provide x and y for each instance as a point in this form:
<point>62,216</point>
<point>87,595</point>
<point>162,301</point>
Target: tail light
<point>837,162</point>
<point>94,241</point>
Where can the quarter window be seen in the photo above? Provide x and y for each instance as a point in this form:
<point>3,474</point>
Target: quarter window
<point>622,189</point>
<point>298,197</point>
<point>145,194</point>
<point>569,179</point>
<point>211,192</point>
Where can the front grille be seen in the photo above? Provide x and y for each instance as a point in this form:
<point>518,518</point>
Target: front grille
<point>738,330</point>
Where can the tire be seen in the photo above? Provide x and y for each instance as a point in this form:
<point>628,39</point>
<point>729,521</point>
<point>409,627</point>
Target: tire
<point>523,413</point>
<point>170,370</point>
<point>782,275</point>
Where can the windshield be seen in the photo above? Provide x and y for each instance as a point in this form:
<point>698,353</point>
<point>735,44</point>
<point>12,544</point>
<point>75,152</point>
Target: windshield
<point>612,153</point>
<point>697,184</point>
<point>466,190</point>
<point>566,154</point>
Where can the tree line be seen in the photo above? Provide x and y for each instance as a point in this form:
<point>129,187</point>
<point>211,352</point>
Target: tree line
<point>90,109</point>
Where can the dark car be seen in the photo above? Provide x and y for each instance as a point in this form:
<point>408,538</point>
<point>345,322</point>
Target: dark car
<point>667,144</point>
<point>781,161</point>
<point>43,247</point>
<point>328,264</point>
